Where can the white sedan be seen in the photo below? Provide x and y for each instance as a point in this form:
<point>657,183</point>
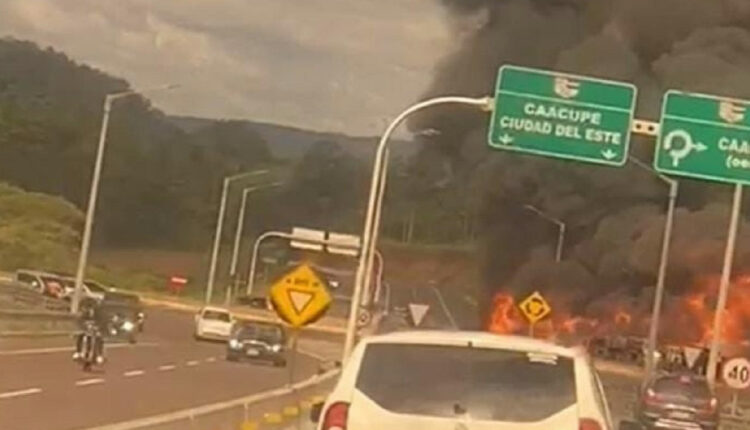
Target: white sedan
<point>213,323</point>
<point>464,380</point>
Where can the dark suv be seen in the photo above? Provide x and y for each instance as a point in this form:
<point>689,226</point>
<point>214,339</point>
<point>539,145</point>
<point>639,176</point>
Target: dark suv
<point>258,341</point>
<point>678,402</point>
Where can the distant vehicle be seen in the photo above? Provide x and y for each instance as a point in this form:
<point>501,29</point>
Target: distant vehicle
<point>126,300</point>
<point>683,401</point>
<point>46,283</point>
<point>258,341</point>
<point>459,380</point>
<point>89,289</point>
<point>213,323</point>
<point>255,302</point>
<point>619,348</point>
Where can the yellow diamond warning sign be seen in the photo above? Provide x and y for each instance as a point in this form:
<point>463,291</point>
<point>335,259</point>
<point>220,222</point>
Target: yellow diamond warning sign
<point>535,308</point>
<point>300,297</point>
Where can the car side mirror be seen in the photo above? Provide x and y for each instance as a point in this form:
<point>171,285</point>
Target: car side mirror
<point>315,411</point>
<point>630,425</point>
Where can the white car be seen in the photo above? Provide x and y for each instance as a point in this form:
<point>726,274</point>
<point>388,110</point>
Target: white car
<point>213,323</point>
<point>464,380</point>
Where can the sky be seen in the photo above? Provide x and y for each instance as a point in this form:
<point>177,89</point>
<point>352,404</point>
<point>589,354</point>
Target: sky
<point>330,65</point>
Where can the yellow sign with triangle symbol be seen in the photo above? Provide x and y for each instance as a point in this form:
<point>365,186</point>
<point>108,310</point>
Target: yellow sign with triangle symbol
<point>535,308</point>
<point>300,297</point>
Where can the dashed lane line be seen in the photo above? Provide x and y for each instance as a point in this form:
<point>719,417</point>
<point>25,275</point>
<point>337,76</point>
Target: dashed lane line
<point>19,393</point>
<point>132,373</point>
<point>210,359</point>
<point>167,367</point>
<point>192,363</point>
<point>92,381</point>
<point>53,350</point>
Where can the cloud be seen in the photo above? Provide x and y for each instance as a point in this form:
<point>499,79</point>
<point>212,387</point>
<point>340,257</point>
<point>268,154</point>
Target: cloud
<point>340,65</point>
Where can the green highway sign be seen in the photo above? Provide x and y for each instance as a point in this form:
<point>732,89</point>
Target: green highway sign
<point>705,137</point>
<point>562,116</point>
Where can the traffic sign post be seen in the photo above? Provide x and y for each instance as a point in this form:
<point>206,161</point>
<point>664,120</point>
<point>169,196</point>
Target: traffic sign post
<point>535,308</point>
<point>704,137</point>
<point>736,374</point>
<point>562,116</point>
<point>300,297</point>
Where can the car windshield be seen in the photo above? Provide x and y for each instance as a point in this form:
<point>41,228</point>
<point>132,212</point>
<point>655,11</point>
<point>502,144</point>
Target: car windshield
<point>489,384</point>
<point>262,332</point>
<point>216,316</point>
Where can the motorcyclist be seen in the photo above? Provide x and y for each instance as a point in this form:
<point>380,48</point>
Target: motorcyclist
<point>91,316</point>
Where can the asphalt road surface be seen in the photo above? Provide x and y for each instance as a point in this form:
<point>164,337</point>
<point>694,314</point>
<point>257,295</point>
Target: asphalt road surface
<point>41,388</point>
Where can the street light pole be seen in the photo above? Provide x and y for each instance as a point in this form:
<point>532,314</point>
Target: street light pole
<point>653,330</point>
<point>484,103</point>
<point>94,194</point>
<point>560,229</point>
<point>241,227</point>
<point>726,273</point>
<point>220,226</point>
<point>376,231</point>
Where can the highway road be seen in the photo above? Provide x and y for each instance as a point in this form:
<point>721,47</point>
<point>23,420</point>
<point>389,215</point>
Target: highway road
<point>41,388</point>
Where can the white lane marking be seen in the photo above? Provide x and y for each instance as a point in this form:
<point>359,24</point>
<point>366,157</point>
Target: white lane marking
<point>167,367</point>
<point>70,348</point>
<point>192,363</point>
<point>312,354</point>
<point>210,359</point>
<point>133,373</point>
<point>19,393</point>
<point>92,381</point>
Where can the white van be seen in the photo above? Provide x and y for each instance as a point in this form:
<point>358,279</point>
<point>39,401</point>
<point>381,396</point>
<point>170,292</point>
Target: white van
<point>465,380</point>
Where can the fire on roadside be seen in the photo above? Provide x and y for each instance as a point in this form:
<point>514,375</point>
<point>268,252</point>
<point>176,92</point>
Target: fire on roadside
<point>686,318</point>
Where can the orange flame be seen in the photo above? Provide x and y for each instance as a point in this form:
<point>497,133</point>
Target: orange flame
<point>504,317</point>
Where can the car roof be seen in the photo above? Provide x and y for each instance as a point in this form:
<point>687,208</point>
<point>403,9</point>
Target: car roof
<point>482,339</point>
<point>37,272</point>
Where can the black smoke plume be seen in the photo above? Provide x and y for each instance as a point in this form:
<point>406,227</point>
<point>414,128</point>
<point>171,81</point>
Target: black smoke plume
<point>615,216</point>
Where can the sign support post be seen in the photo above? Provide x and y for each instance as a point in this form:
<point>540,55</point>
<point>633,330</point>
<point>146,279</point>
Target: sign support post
<point>726,272</point>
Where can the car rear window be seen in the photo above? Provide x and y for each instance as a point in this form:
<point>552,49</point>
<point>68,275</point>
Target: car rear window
<point>216,315</point>
<point>686,387</point>
<point>267,333</point>
<point>487,384</point>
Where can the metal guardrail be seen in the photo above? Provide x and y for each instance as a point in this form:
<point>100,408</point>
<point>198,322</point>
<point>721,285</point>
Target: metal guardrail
<point>269,409</point>
<point>26,312</point>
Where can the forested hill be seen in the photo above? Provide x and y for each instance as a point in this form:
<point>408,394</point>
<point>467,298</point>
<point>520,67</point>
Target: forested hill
<point>161,178</point>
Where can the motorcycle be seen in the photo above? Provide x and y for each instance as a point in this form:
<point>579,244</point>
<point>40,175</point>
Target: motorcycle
<point>90,346</point>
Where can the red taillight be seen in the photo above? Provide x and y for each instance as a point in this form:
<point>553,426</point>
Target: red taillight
<point>335,416</point>
<point>589,424</point>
